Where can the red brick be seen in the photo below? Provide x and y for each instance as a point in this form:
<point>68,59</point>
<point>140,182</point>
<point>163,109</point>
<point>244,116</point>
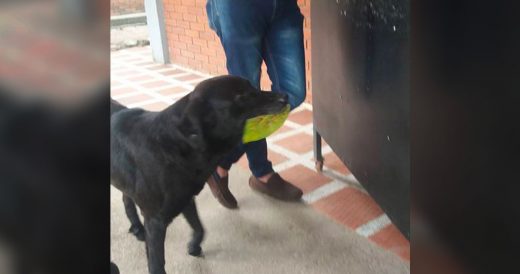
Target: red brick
<point>299,143</point>
<point>180,45</point>
<point>180,60</point>
<point>187,54</point>
<point>155,84</point>
<point>209,36</point>
<point>391,239</point>
<point>201,43</point>
<point>185,39</point>
<point>196,10</point>
<point>276,158</point>
<point>141,78</point>
<point>307,180</point>
<point>175,51</point>
<point>172,91</point>
<point>189,3</point>
<point>189,17</point>
<point>180,9</point>
<point>303,117</point>
<point>202,18</point>
<point>207,51</point>
<point>197,26</point>
<point>158,67</point>
<point>119,91</point>
<point>192,33</point>
<point>177,30</point>
<point>157,106</point>
<point>170,72</point>
<point>193,48</point>
<point>332,161</point>
<point>173,37</point>
<point>183,24</point>
<point>134,99</point>
<point>349,207</point>
<point>195,64</point>
<point>202,58</point>
<point>128,72</point>
<point>188,77</point>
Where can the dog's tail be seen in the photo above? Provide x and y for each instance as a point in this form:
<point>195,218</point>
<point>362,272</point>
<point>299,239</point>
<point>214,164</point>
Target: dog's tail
<point>115,106</point>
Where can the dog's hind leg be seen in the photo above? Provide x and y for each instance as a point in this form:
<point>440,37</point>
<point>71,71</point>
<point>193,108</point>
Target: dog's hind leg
<point>191,215</point>
<point>136,227</point>
<point>155,235</point>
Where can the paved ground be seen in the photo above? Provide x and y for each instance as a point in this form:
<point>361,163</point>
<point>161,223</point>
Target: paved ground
<point>128,36</point>
<point>136,81</point>
<point>263,236</point>
<point>139,82</point>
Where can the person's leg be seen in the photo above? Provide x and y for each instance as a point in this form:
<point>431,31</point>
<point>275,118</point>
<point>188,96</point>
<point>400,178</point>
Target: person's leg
<point>241,26</point>
<point>283,52</point>
<point>232,157</point>
<point>284,55</point>
<point>256,153</point>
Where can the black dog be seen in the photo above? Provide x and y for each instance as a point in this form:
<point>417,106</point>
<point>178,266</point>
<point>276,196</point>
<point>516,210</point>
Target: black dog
<point>161,160</point>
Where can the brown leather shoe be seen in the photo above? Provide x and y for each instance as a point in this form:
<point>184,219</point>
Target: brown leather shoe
<point>276,187</point>
<point>219,188</point>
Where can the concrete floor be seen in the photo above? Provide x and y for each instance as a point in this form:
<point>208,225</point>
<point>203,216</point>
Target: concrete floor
<point>128,36</point>
<point>263,236</point>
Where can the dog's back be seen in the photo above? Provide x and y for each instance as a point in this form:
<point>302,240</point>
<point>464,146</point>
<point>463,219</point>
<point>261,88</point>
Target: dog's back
<point>115,106</point>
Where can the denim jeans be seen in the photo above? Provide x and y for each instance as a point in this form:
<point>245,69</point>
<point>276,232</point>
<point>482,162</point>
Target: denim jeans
<point>252,31</point>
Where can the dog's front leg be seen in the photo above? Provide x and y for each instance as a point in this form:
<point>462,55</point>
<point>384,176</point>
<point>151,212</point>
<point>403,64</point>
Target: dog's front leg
<point>136,227</point>
<point>155,230</point>
<point>191,215</point>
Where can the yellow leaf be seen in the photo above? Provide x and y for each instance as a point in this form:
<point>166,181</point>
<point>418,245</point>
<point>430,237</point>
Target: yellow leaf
<point>260,127</point>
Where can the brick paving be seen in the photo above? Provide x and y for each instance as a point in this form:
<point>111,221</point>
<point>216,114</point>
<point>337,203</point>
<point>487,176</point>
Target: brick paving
<point>138,82</point>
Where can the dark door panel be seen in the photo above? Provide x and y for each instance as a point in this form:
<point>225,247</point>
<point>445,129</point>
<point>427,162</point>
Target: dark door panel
<point>361,94</point>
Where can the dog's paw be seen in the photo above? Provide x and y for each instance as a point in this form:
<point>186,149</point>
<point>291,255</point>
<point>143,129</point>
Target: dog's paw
<point>113,268</point>
<point>138,231</point>
<point>195,250</point>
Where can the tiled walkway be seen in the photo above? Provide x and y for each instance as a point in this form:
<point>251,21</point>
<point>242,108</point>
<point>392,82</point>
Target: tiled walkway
<point>139,82</point>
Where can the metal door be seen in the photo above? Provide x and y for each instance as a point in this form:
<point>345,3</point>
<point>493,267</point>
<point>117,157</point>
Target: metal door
<point>360,84</point>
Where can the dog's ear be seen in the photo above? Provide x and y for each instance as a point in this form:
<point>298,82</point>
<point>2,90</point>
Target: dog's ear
<point>191,131</point>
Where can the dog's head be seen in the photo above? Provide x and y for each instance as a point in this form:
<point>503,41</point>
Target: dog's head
<point>219,107</point>
<point>235,98</point>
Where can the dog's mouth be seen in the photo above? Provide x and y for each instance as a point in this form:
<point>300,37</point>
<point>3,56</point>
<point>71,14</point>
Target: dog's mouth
<point>269,103</point>
<point>262,126</point>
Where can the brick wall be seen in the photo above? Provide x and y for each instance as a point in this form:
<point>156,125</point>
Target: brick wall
<point>194,45</point>
<point>119,7</point>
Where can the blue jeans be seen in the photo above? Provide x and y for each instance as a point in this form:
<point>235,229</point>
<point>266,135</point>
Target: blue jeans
<point>252,31</point>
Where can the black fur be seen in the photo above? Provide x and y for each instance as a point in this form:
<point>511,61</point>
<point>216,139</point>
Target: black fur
<point>161,160</point>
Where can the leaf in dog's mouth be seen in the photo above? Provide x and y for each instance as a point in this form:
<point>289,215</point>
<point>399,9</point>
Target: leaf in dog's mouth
<point>260,127</point>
